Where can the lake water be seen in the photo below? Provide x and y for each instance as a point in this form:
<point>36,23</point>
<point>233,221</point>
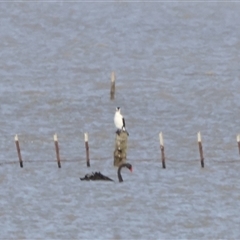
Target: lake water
<point>177,72</point>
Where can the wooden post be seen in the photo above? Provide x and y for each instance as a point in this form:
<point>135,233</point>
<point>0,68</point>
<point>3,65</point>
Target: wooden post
<point>18,151</point>
<point>120,152</point>
<point>87,149</point>
<point>162,149</point>
<point>238,141</point>
<point>57,150</point>
<point>112,92</point>
<point>200,149</point>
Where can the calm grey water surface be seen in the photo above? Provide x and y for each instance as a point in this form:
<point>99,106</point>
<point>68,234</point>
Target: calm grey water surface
<point>177,68</point>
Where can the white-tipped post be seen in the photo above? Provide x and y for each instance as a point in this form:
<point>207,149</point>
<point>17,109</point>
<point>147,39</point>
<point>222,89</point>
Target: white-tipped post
<point>55,138</point>
<point>112,76</point>
<point>162,149</point>
<point>199,138</point>
<point>87,149</point>
<point>16,137</point>
<point>86,137</point>
<point>112,91</point>
<point>238,142</point>
<point>161,139</point>
<point>18,150</point>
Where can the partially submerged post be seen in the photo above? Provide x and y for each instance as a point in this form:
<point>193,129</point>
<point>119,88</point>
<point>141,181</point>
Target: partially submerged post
<point>120,152</point>
<point>200,148</point>
<point>57,150</point>
<point>162,149</point>
<point>112,91</point>
<point>18,151</point>
<point>87,149</point>
<point>238,141</point>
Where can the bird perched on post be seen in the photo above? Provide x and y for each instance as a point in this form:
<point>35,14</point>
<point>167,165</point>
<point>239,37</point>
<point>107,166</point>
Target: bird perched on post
<point>119,121</point>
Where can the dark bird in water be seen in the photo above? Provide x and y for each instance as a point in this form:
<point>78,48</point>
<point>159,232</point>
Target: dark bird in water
<point>97,176</point>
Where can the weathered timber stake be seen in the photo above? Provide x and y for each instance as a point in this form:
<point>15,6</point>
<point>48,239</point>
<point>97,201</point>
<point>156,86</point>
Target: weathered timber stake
<point>200,149</point>
<point>120,152</point>
<point>238,141</point>
<point>18,151</point>
<point>162,149</point>
<point>112,91</point>
<point>57,150</point>
<point>87,149</point>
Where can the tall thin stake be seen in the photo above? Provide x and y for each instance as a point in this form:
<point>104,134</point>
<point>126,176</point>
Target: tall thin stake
<point>200,149</point>
<point>57,150</point>
<point>18,151</point>
<point>238,141</point>
<point>87,149</point>
<point>162,149</point>
<point>112,91</point>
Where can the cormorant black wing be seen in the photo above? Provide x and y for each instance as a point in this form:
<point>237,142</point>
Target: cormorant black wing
<point>124,125</point>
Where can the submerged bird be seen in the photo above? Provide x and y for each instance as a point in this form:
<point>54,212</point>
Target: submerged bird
<point>119,121</point>
<point>97,176</point>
